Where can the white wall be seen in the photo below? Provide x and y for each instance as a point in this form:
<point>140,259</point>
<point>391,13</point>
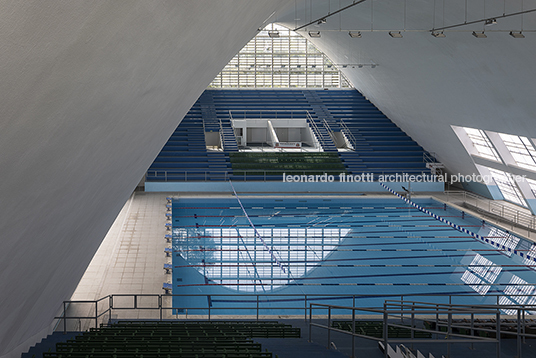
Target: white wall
<point>307,136</point>
<point>213,139</point>
<point>90,93</point>
<point>257,135</point>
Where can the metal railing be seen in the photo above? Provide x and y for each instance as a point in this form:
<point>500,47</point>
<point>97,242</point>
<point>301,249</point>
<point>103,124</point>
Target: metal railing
<point>429,157</point>
<point>267,114</point>
<point>236,175</point>
<point>319,137</point>
<point>452,324</point>
<point>501,212</point>
<point>328,128</point>
<point>161,306</point>
<point>222,136</point>
<point>348,134</point>
<point>298,304</point>
<point>444,312</point>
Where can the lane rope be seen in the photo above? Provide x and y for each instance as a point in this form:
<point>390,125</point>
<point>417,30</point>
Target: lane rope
<point>256,232</point>
<point>458,227</point>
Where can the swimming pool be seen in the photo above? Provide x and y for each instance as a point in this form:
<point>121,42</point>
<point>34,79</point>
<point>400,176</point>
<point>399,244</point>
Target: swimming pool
<point>338,250</point>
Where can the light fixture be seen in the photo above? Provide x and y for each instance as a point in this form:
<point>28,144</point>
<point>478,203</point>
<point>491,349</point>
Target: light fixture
<point>314,33</point>
<point>273,33</point>
<point>517,35</point>
<point>490,22</point>
<point>438,34</point>
<point>395,34</point>
<point>479,35</point>
<point>355,34</point>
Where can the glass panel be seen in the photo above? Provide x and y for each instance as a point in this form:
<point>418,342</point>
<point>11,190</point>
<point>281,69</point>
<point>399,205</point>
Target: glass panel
<point>507,186</point>
<point>482,144</point>
<point>521,149</point>
<point>532,184</point>
<point>280,61</point>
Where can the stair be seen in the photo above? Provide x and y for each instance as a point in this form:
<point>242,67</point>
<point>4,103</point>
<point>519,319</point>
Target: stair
<point>48,344</point>
<point>322,116</point>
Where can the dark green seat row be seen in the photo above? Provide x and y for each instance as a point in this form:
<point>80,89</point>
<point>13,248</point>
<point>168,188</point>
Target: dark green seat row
<point>151,339</point>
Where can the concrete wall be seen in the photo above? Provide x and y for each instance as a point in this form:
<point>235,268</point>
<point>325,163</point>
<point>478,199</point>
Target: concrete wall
<point>257,135</point>
<point>213,139</point>
<point>90,93</point>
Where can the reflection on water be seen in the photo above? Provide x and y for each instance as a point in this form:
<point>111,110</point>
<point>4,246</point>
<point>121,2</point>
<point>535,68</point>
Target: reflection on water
<point>480,274</point>
<point>236,258</point>
<point>516,293</point>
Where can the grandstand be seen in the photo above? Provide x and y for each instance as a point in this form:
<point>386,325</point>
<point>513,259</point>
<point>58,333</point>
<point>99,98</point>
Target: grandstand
<point>358,180</point>
<point>371,143</point>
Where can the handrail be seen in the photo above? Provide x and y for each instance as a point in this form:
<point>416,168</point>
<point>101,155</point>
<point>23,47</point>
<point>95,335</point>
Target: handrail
<point>316,131</point>
<point>112,302</point>
<point>415,312</point>
<point>222,141</point>
<point>393,310</point>
<point>505,212</point>
<point>328,128</point>
<point>349,135</point>
<point>429,157</point>
<point>267,114</point>
<point>237,174</point>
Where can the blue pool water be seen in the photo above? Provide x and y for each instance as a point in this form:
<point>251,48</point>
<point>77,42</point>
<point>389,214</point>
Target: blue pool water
<point>337,251</point>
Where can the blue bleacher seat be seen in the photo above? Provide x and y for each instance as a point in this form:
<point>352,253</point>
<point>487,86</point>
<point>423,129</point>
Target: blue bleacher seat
<point>379,147</point>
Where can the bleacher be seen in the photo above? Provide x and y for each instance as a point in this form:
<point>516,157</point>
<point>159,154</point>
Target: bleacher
<point>380,146</point>
<point>377,145</point>
<point>150,339</point>
<point>185,156</point>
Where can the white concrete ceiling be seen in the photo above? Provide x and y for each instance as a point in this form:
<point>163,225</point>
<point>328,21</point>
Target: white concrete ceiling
<point>426,84</point>
<point>90,91</point>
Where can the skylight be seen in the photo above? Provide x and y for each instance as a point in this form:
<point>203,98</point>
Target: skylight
<point>521,149</point>
<point>532,184</point>
<point>280,58</point>
<point>482,144</point>
<point>507,186</point>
